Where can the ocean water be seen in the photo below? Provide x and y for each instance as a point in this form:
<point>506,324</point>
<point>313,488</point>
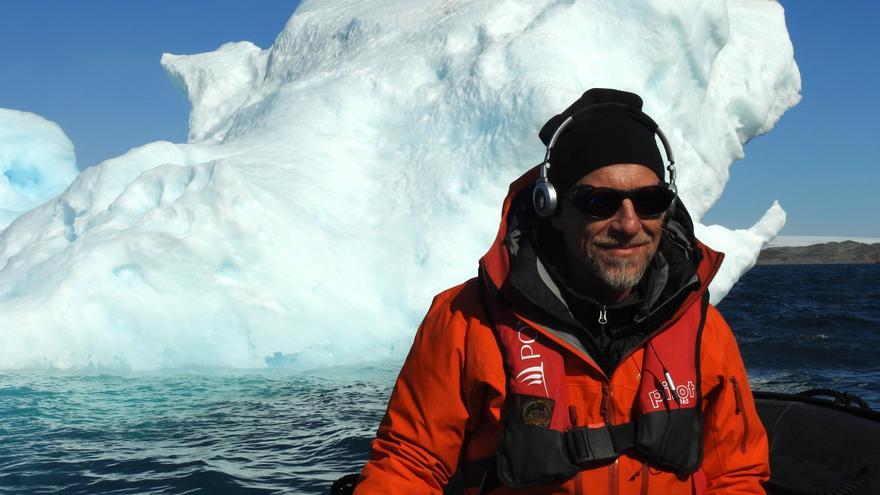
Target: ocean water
<point>809,326</point>
<point>284,431</point>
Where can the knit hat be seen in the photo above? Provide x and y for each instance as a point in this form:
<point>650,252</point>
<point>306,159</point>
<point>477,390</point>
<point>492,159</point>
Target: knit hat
<point>609,127</point>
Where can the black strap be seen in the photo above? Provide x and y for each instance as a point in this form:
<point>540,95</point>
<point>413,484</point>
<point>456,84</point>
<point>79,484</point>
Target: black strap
<point>587,445</point>
<point>583,446</point>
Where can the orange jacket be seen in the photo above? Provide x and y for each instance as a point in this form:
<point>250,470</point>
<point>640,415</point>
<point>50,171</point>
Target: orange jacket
<point>444,414</point>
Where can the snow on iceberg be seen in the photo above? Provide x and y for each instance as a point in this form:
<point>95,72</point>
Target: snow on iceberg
<point>36,162</point>
<point>336,181</point>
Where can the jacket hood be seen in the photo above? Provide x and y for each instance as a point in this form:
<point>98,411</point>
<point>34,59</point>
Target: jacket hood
<point>518,267</point>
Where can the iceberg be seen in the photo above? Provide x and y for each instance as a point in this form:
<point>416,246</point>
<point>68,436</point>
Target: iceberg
<point>332,183</point>
<point>37,162</point>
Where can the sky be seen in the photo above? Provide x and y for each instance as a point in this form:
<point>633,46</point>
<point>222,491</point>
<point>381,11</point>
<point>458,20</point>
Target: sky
<point>92,66</point>
<point>820,161</point>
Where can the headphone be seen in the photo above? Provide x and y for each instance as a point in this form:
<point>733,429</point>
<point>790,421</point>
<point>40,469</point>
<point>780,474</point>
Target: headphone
<point>544,197</point>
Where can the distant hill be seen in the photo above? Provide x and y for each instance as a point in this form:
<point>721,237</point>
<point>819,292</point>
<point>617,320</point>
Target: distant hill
<point>829,252</point>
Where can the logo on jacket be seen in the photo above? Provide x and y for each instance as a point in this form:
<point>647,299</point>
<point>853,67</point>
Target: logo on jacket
<point>534,374</point>
<point>685,393</point>
<point>534,411</point>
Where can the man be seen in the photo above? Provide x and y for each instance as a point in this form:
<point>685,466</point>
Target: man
<point>585,357</point>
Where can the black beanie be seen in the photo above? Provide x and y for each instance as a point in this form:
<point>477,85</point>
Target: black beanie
<point>609,127</point>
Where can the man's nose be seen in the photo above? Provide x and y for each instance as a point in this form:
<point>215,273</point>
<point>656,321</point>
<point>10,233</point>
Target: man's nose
<point>626,220</point>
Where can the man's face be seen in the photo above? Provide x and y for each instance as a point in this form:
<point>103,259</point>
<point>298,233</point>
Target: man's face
<point>617,249</point>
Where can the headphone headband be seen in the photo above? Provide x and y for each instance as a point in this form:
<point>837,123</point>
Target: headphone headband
<point>544,194</point>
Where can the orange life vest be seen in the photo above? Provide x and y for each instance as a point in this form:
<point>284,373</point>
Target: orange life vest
<point>540,441</point>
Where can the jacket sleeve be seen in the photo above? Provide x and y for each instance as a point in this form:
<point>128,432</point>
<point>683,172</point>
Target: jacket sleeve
<point>736,457</point>
<point>419,440</point>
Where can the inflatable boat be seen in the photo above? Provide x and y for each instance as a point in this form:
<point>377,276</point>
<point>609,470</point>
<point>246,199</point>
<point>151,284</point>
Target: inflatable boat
<point>822,442</point>
<point>821,446</point>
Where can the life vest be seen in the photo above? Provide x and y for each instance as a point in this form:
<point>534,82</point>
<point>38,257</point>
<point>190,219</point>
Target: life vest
<point>540,442</point>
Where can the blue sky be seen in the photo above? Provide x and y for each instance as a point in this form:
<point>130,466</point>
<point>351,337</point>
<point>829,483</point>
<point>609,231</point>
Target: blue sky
<point>820,161</point>
<point>92,66</point>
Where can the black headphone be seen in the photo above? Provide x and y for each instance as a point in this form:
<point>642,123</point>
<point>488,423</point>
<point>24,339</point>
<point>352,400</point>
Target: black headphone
<point>544,197</point>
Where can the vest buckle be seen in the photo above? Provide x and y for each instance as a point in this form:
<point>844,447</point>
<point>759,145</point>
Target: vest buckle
<point>605,443</point>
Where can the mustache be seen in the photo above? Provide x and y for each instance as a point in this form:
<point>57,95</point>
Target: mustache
<point>607,241</point>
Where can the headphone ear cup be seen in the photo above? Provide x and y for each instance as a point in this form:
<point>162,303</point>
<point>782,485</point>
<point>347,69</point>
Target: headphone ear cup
<point>544,198</point>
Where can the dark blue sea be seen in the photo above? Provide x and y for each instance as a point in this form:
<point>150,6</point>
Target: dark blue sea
<point>282,431</point>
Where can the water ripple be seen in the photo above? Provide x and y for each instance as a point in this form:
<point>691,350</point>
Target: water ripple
<point>221,431</point>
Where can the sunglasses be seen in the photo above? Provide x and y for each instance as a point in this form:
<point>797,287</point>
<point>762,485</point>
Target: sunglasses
<point>603,202</point>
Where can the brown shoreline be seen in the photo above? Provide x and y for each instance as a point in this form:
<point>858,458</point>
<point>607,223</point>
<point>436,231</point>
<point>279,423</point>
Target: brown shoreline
<point>802,262</point>
<point>829,253</point>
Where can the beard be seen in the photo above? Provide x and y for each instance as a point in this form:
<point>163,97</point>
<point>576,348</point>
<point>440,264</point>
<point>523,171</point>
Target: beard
<point>619,273</point>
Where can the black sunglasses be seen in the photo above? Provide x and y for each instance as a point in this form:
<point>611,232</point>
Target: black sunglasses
<point>603,202</point>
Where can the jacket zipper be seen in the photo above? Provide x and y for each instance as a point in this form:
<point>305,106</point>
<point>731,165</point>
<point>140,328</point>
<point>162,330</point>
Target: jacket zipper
<point>605,411</point>
<point>737,395</point>
<point>612,478</point>
<point>646,473</point>
<point>578,480</point>
<point>603,406</point>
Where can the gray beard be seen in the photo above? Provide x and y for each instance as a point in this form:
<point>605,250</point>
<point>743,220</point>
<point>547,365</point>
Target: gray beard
<point>619,274</point>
